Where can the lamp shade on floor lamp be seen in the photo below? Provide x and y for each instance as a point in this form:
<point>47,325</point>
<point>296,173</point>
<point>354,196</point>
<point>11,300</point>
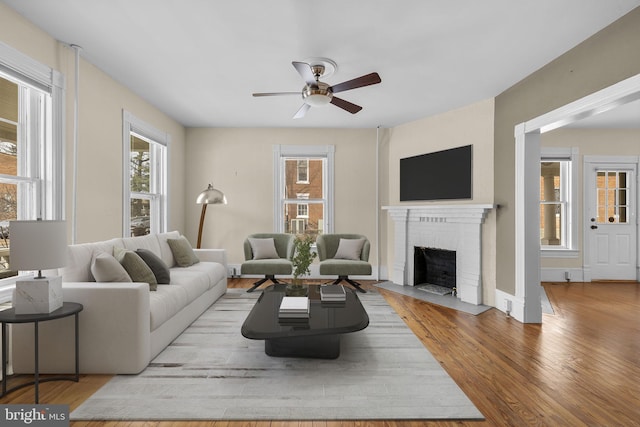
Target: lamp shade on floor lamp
<point>210,196</point>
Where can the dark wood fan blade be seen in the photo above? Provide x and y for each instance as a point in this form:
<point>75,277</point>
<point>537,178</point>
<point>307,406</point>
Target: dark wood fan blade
<point>369,79</point>
<point>345,105</point>
<point>305,72</point>
<point>302,111</point>
<point>277,93</point>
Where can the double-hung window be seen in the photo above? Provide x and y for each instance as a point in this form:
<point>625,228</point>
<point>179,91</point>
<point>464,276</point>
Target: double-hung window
<point>303,189</point>
<point>145,166</point>
<point>31,155</point>
<point>558,222</point>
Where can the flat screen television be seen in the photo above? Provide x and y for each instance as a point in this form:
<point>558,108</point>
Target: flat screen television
<point>439,175</point>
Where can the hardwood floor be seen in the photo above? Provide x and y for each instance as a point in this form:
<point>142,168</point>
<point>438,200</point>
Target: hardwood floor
<point>581,366</point>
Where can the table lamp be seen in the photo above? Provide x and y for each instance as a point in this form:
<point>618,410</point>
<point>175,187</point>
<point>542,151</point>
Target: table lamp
<point>210,196</point>
<point>36,246</point>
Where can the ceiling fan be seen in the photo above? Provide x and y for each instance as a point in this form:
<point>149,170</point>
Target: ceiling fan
<point>316,93</point>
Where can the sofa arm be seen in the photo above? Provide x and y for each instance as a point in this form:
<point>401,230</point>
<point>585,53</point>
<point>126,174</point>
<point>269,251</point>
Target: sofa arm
<point>114,328</point>
<point>212,255</point>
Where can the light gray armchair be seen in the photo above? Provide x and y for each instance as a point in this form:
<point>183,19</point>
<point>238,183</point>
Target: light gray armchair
<point>267,254</point>
<point>343,255</point>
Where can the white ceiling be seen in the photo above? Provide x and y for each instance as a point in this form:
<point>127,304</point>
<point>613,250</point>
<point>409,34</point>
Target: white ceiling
<point>199,61</point>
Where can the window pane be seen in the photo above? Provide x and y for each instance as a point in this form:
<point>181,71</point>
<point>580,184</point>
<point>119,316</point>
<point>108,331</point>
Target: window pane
<point>312,224</point>
<point>140,166</point>
<point>313,185</point>
<point>550,181</point>
<point>8,212</point>
<point>8,166</point>
<point>612,197</point>
<point>8,104</point>
<point>551,220</point>
<point>140,217</point>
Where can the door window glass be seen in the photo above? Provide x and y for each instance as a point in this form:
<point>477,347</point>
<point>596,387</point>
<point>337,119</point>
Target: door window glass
<point>612,197</point>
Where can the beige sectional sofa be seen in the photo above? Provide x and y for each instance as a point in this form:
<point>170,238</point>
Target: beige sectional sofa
<point>123,325</point>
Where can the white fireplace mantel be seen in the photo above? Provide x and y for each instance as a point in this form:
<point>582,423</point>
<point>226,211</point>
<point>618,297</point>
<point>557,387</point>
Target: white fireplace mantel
<point>444,226</point>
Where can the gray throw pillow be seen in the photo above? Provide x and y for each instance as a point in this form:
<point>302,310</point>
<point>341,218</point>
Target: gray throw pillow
<point>263,248</point>
<point>349,249</point>
<point>157,266</point>
<point>136,267</point>
<point>105,268</point>
<point>182,252</point>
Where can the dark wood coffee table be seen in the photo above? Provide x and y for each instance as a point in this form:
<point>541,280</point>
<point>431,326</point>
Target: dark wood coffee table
<point>317,337</point>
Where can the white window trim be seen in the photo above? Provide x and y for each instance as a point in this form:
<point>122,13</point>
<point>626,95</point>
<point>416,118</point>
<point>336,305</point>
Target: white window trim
<point>49,199</point>
<point>311,151</point>
<point>571,250</point>
<point>133,124</point>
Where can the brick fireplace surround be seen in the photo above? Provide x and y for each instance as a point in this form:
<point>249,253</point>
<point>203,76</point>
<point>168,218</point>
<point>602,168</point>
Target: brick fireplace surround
<point>452,227</point>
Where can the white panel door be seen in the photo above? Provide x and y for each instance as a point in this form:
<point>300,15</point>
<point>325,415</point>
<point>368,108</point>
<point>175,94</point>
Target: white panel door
<point>611,221</point>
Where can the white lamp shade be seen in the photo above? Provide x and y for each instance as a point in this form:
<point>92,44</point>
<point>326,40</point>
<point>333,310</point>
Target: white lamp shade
<point>37,245</point>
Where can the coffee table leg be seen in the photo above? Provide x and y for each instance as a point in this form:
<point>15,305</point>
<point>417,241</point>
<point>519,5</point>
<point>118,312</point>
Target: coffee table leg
<point>319,347</point>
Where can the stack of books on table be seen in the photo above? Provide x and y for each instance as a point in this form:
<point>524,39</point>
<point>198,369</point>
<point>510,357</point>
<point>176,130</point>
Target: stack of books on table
<point>294,308</point>
<point>332,293</point>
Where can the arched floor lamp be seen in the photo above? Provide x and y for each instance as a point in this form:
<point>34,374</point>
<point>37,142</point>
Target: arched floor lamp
<point>210,196</point>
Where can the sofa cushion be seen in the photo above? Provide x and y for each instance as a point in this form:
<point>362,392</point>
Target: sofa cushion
<point>263,248</point>
<point>136,267</point>
<point>149,242</point>
<point>349,249</point>
<point>182,252</point>
<point>157,266</point>
<point>195,283</point>
<point>165,303</point>
<point>267,266</point>
<point>105,268</point>
<point>80,257</point>
<point>212,271</point>
<point>344,267</point>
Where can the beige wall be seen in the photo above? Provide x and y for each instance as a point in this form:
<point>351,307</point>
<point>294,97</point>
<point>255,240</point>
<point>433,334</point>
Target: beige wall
<point>590,142</point>
<point>102,99</point>
<point>472,124</point>
<point>602,60</point>
<point>239,162</point>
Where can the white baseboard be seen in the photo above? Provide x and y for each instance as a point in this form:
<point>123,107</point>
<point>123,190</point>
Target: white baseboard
<point>503,300</point>
<point>560,275</point>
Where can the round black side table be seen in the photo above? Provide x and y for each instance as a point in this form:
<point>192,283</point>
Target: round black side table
<point>10,316</point>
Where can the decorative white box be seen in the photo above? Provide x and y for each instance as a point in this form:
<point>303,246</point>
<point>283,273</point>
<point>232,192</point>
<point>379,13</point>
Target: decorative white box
<point>38,295</point>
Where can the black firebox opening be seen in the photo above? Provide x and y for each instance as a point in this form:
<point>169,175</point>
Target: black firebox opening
<point>434,266</point>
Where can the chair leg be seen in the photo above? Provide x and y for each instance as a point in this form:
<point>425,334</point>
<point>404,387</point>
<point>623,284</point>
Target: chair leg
<point>353,283</point>
<point>261,281</point>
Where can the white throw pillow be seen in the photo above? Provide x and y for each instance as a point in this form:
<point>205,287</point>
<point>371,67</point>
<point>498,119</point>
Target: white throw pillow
<point>263,248</point>
<point>349,249</point>
<point>105,268</point>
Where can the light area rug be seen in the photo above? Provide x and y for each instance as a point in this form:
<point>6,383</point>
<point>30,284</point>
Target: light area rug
<point>211,372</point>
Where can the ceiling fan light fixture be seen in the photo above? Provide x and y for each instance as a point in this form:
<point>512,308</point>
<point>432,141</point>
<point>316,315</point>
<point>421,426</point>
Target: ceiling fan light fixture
<point>317,96</point>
